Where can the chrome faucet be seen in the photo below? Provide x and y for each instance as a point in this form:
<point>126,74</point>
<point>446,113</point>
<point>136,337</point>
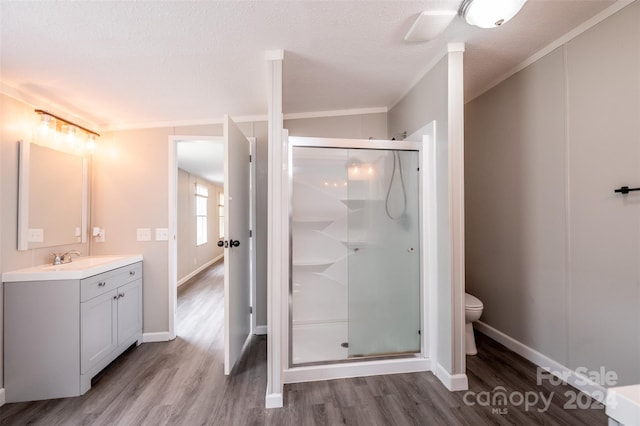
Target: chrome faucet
<point>59,259</point>
<point>66,258</point>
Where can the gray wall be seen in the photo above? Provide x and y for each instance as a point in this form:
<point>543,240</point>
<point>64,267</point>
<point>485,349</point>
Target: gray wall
<point>426,102</point>
<point>551,250</point>
<point>361,126</point>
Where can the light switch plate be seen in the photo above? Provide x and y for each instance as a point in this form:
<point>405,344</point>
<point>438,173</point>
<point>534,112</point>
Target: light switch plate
<point>143,234</point>
<point>162,234</point>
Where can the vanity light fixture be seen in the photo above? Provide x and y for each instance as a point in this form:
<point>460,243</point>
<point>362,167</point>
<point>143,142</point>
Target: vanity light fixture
<point>52,122</point>
<point>46,121</point>
<point>489,13</point>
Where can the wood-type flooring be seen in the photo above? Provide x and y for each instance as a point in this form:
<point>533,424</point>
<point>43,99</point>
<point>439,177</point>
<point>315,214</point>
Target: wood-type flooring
<point>182,383</point>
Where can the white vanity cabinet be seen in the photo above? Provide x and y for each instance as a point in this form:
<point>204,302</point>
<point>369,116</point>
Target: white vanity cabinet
<point>59,333</point>
<point>110,314</point>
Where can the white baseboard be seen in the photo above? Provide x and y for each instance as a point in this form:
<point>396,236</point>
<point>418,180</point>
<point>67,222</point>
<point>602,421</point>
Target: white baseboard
<point>162,336</point>
<point>2,397</point>
<point>260,330</point>
<point>453,382</point>
<point>273,400</point>
<point>578,381</point>
<point>198,270</point>
<point>355,369</point>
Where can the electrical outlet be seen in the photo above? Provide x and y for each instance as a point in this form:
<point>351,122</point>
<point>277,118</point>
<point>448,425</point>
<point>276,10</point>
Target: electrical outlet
<point>162,234</point>
<point>36,235</point>
<point>143,234</point>
<point>99,237</point>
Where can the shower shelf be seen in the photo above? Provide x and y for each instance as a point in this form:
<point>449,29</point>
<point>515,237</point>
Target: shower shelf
<point>314,262</point>
<point>310,220</point>
<point>330,278</point>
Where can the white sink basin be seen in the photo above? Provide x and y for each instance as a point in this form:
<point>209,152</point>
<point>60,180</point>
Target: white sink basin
<point>81,263</point>
<point>79,268</point>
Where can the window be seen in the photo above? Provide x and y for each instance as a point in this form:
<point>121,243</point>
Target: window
<point>221,215</point>
<point>202,197</point>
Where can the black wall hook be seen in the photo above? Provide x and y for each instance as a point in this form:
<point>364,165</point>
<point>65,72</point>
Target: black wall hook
<point>626,189</point>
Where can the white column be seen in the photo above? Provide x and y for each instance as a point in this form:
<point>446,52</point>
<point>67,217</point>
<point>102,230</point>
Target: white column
<point>456,204</point>
<point>273,398</point>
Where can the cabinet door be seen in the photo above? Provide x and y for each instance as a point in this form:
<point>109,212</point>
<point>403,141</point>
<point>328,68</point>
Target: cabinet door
<point>129,310</point>
<point>98,329</point>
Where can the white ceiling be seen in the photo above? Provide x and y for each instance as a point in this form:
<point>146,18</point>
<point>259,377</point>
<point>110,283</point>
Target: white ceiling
<point>129,63</point>
<point>204,158</point>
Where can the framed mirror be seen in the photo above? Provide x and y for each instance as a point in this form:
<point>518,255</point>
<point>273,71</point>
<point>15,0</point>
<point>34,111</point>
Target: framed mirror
<point>52,197</point>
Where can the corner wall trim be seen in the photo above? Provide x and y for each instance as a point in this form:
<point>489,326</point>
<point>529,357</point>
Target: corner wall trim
<point>577,380</point>
<point>453,382</point>
<point>2,397</point>
<point>273,400</point>
<point>162,336</point>
<point>260,330</point>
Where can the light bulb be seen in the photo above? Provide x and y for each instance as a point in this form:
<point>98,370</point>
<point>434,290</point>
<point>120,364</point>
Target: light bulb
<point>91,143</point>
<point>45,124</point>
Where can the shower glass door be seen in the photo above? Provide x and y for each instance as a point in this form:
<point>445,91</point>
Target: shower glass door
<point>384,245</point>
<point>355,259</point>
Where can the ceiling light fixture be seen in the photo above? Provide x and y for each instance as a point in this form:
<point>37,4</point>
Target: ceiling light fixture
<point>53,122</point>
<point>489,13</point>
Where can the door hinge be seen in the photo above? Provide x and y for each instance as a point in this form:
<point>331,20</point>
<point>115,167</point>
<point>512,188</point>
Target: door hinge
<point>250,157</point>
<point>250,233</point>
<point>250,309</point>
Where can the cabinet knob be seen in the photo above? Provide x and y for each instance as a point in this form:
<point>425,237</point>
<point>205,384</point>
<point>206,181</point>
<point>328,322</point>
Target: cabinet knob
<point>102,283</point>
<point>132,272</point>
<point>115,297</point>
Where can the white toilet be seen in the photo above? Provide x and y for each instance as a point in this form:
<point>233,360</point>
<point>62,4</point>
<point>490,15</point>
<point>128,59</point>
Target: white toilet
<point>472,311</point>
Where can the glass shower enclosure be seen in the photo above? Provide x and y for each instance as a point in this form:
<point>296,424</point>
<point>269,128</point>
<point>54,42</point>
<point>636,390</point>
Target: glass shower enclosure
<point>355,258</point>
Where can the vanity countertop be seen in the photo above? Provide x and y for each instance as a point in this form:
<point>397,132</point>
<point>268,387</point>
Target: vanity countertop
<point>79,268</point>
<point>623,405</point>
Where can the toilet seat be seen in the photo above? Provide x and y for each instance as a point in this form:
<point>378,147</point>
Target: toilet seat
<point>472,303</point>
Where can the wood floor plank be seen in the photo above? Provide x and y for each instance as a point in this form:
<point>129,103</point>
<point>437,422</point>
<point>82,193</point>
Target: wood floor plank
<point>182,383</point>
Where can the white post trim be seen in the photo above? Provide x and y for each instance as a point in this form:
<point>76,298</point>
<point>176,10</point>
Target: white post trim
<point>456,201</point>
<point>172,248</point>
<point>430,240</point>
<point>274,391</point>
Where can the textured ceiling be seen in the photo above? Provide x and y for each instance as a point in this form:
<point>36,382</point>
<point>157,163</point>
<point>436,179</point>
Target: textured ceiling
<point>126,63</point>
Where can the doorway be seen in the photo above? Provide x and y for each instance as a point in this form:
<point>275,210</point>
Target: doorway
<point>197,170</point>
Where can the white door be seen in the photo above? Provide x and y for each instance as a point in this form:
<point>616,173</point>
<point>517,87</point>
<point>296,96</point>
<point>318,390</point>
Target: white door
<point>237,317</point>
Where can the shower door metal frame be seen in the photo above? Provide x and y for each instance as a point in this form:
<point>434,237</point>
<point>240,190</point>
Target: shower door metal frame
<point>368,144</point>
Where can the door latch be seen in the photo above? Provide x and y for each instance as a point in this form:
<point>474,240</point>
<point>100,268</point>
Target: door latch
<point>227,244</point>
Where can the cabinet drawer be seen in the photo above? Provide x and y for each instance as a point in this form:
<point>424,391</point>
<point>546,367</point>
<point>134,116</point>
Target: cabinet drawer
<point>102,283</point>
